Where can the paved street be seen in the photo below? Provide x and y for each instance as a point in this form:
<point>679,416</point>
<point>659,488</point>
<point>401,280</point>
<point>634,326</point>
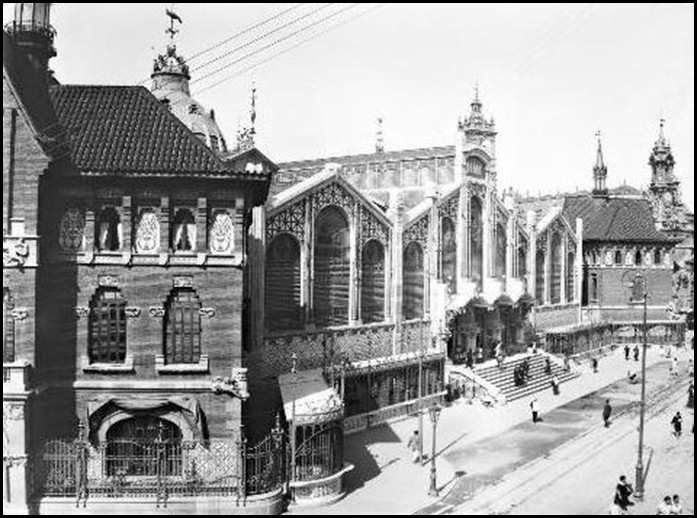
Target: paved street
<point>477,446</point>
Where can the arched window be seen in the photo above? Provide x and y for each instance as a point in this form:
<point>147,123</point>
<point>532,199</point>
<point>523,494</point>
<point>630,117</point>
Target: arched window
<point>556,270</point>
<point>109,230</point>
<point>476,167</point>
<point>571,277</point>
<point>144,447</point>
<point>449,254</point>
<point>182,327</point>
<point>540,277</point>
<point>657,257</point>
<point>332,268</point>
<point>413,282</point>
<point>8,328</point>
<point>184,231</point>
<point>476,240</point>
<point>523,259</point>
<point>107,327</point>
<point>373,283</point>
<point>638,258</point>
<point>594,288</point>
<point>501,251</point>
<point>282,279</point>
<point>618,258</point>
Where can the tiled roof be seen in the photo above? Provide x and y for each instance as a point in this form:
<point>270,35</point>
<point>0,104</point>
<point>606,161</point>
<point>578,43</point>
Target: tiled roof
<point>614,219</point>
<point>372,158</point>
<point>124,130</point>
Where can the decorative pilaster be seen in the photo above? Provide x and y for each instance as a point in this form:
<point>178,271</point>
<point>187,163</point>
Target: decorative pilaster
<point>127,224</point>
<point>354,277</point>
<point>202,226</point>
<point>164,225</point>
<point>532,253</point>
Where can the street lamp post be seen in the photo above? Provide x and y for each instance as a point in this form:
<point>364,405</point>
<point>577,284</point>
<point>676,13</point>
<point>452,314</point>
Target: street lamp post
<point>639,488</point>
<point>434,413</point>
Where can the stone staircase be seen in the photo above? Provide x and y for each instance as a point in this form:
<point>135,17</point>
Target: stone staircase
<point>537,382</point>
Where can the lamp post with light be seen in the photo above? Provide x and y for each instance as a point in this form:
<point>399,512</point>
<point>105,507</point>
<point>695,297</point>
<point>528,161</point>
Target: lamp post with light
<point>434,414</point>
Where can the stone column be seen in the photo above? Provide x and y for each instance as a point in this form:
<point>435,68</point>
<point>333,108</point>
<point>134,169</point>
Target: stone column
<point>564,266</point>
<point>257,284</point>
<point>488,238</point>
<point>579,268</point>
<point>307,264</point>
<point>164,226</point>
<point>354,265</point>
<point>15,448</point>
<point>431,252</point>
<point>548,269</point>
<point>397,284</point>
<point>127,224</point>
<point>532,253</point>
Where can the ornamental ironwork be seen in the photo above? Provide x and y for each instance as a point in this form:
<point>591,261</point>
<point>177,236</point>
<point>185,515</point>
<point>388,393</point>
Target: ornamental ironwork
<point>289,221</point>
<point>372,228</point>
<point>334,194</point>
<point>418,233</point>
<point>449,207</point>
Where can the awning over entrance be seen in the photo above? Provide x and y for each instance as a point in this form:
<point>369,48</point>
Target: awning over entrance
<point>309,400</point>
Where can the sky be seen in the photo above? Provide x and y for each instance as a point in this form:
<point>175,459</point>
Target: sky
<point>552,76</point>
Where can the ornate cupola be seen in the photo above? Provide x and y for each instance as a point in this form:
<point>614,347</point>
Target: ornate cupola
<point>31,30</point>
<point>477,130</point>
<point>664,192</point>
<point>600,171</point>
<point>170,84</point>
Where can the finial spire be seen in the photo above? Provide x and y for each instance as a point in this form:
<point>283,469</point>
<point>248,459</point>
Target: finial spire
<point>253,113</point>
<point>662,133</point>
<point>380,137</point>
<point>600,169</point>
<point>600,161</point>
<point>174,19</point>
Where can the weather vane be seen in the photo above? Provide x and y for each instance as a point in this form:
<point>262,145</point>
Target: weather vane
<point>174,18</point>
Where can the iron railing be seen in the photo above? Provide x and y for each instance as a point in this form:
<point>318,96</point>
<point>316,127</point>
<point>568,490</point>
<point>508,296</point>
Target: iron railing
<point>158,469</point>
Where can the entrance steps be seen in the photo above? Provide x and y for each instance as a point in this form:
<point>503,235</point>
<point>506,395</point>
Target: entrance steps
<point>538,381</point>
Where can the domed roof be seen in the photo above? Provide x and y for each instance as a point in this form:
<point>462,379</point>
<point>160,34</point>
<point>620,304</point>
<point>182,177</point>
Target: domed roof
<point>170,84</point>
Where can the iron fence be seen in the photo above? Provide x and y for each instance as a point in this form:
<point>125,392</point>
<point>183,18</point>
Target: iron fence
<point>158,470</point>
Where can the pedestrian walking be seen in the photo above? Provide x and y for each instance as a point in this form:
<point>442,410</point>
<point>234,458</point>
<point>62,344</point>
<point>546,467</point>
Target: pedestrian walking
<point>607,413</point>
<point>677,505</point>
<point>636,353</point>
<point>676,422</point>
<point>665,508</point>
<point>674,366</point>
<point>555,385</point>
<point>470,360</point>
<point>535,409</point>
<point>594,364</point>
<point>623,492</point>
<point>691,396</point>
<point>414,445</point>
<point>626,352</point>
<point>548,366</point>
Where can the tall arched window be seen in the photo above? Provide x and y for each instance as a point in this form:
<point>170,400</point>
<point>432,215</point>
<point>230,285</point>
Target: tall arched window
<point>109,230</point>
<point>413,282</point>
<point>144,447</point>
<point>182,327</point>
<point>501,251</point>
<point>184,231</point>
<point>556,270</point>
<point>373,282</point>
<point>657,257</point>
<point>282,279</point>
<point>332,268</point>
<point>638,258</point>
<point>540,277</point>
<point>449,254</point>
<point>475,167</point>
<point>619,259</point>
<point>476,240</point>
<point>107,327</point>
<point>571,277</point>
<point>8,328</point>
<point>523,259</point>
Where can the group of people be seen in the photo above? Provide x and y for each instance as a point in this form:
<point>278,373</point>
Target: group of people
<point>670,505</point>
<point>521,373</point>
<point>628,351</point>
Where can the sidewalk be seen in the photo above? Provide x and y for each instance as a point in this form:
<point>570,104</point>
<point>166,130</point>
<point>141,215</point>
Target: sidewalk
<point>386,482</point>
